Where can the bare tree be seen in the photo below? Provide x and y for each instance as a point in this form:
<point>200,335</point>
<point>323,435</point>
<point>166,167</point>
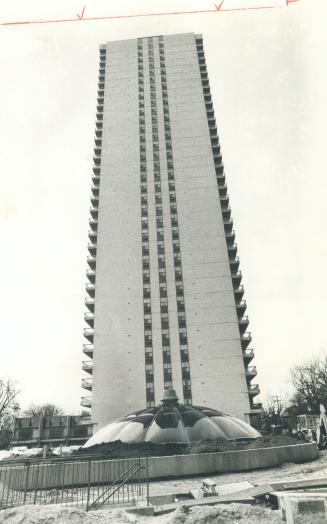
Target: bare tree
<point>310,382</point>
<point>8,407</point>
<point>44,410</point>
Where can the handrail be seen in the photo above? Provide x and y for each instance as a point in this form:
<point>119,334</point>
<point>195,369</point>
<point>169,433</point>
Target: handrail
<point>117,485</point>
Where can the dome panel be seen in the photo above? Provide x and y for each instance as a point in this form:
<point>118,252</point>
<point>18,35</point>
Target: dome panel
<point>204,429</point>
<point>107,434</point>
<point>133,432</point>
<point>232,428</point>
<point>167,426</point>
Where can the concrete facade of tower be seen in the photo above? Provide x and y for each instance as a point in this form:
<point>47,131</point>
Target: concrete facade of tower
<point>165,301</point>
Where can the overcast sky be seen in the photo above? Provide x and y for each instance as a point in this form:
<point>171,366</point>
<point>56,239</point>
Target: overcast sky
<point>268,77</point>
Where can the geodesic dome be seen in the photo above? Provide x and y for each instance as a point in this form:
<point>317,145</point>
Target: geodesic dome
<point>172,422</point>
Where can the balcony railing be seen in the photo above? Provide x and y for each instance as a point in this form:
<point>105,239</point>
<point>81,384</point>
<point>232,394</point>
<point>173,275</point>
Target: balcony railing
<point>93,222</point>
<point>241,308</point>
<point>86,383</point>
<point>86,402</point>
<point>89,302</point>
<point>88,350</point>
<point>234,264</point>
<point>92,248</point>
<point>236,278</point>
<point>226,213</point>
<point>91,262</point>
<point>228,224</point>
<point>243,324</point>
<point>248,355</point>
<point>89,318</point>
<point>232,250</point>
<point>251,371</point>
<point>89,334</point>
<point>87,365</point>
<point>93,236</point>
<point>238,294</point>
<point>95,200</point>
<point>94,212</point>
<point>245,340</point>
<point>95,189</point>
<point>90,288</point>
<point>253,390</point>
<point>90,273</point>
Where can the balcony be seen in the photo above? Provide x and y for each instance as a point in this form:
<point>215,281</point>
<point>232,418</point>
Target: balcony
<point>96,170</point>
<point>94,212</point>
<point>236,279</point>
<point>93,223</point>
<point>94,200</point>
<point>89,302</point>
<point>90,288</point>
<point>92,248</point>
<point>224,201</point>
<point>87,366</point>
<point>228,225</point>
<point>222,188</point>
<point>251,372</point>
<point>91,261</point>
<point>243,324</point>
<point>234,264</point>
<point>95,190</point>
<point>96,179</point>
<point>257,407</point>
<point>232,251</point>
<point>86,383</point>
<point>89,318</point>
<point>93,236</point>
<point>254,390</point>
<point>245,340</point>
<point>241,308</point>
<point>90,273</point>
<point>226,213</point>
<point>230,237</point>
<point>86,402</point>
<point>238,294</point>
<point>248,355</point>
<point>89,334</point>
<point>88,350</point>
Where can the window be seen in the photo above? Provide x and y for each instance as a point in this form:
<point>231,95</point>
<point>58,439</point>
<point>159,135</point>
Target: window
<point>79,431</point>
<point>56,433</point>
<point>25,434</point>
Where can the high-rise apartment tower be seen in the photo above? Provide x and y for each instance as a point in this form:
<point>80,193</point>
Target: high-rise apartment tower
<point>165,301</point>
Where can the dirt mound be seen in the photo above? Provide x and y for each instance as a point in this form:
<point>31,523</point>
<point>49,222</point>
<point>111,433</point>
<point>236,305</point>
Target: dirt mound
<point>120,449</point>
<point>224,514</point>
<point>60,515</point>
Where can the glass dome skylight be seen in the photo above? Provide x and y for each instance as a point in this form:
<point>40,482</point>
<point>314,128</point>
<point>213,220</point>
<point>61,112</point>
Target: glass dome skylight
<point>174,422</point>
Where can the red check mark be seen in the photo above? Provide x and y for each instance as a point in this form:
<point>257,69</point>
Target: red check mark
<point>80,17</point>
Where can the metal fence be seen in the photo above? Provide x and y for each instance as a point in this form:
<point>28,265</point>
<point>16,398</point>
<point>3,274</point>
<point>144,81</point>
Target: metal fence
<point>87,484</point>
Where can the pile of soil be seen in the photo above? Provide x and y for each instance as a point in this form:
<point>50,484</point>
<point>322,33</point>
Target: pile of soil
<point>221,514</point>
<point>120,449</point>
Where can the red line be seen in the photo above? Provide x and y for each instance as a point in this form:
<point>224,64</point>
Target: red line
<point>116,17</point>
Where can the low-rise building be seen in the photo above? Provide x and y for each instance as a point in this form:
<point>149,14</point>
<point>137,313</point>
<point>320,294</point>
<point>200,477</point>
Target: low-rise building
<point>37,431</point>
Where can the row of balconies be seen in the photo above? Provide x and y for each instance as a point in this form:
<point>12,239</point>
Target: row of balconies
<point>87,365</point>
<point>243,321</point>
